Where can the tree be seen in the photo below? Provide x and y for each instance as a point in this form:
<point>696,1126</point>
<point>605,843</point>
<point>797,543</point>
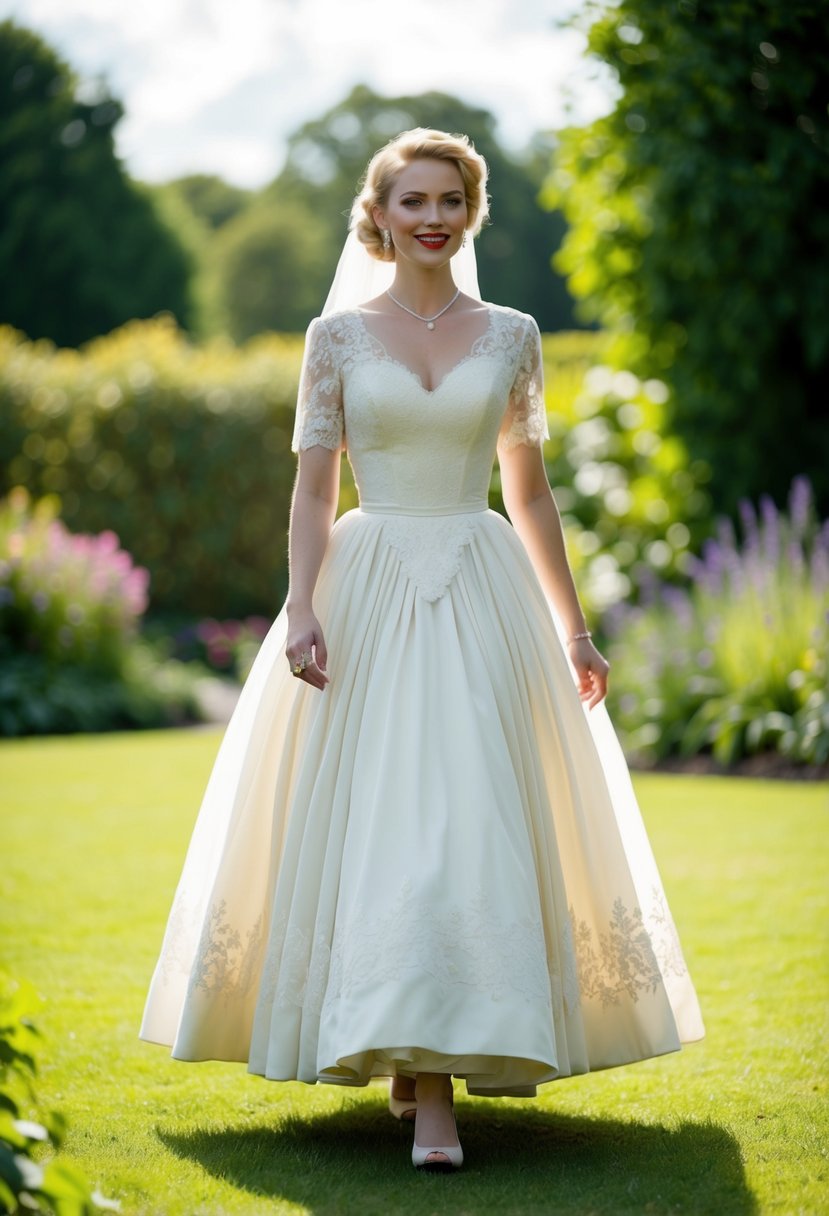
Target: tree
<point>327,157</point>
<point>209,197</point>
<point>81,246</point>
<point>699,223</point>
<point>269,263</point>
<point>197,209</point>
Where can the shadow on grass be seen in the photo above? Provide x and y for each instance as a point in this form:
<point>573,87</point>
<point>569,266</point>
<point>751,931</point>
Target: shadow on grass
<point>357,1160</point>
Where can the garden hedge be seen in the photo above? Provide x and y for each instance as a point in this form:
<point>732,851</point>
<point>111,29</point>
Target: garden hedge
<point>183,451</point>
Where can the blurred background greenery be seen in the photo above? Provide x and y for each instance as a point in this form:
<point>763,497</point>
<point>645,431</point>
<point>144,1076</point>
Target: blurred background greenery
<point>150,340</point>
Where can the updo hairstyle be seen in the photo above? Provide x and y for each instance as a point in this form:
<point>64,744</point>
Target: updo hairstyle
<point>386,164</point>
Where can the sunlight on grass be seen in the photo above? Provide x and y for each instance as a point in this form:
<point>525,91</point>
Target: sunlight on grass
<point>94,834</point>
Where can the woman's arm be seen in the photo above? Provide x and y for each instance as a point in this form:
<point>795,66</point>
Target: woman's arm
<point>313,508</point>
<point>532,509</point>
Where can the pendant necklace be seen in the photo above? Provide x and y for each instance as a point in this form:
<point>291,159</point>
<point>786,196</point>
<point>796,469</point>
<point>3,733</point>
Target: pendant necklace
<point>429,321</point>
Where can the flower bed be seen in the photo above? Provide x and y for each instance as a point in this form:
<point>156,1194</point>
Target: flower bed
<point>735,663</point>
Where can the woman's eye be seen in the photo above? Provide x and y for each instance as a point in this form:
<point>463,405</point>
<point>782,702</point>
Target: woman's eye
<point>415,202</point>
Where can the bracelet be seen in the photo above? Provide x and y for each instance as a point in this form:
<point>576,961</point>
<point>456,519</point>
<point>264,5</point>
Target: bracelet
<point>578,636</point>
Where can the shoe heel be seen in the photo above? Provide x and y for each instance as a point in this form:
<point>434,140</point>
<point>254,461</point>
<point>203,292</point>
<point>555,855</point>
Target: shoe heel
<point>454,1152</point>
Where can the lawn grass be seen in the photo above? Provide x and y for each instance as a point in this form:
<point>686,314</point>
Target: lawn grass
<point>94,832</point>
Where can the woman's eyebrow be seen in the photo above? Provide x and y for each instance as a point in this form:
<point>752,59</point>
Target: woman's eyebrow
<point>422,194</point>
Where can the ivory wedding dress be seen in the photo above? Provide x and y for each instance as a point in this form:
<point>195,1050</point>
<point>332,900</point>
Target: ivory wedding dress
<point>438,863</point>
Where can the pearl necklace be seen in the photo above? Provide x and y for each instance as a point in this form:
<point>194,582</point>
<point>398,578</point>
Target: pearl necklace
<point>430,321</point>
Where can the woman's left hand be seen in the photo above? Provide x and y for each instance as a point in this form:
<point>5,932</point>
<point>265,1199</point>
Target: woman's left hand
<point>591,671</point>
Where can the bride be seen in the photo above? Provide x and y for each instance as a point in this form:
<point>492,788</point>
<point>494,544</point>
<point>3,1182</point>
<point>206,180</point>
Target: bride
<point>419,854</point>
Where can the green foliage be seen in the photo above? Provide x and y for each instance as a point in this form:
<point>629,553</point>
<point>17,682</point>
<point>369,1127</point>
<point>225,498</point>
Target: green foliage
<point>736,664</point>
<point>37,698</point>
<point>197,209</point>
<point>698,223</point>
<point>196,238</point>
<point>629,498</point>
<point>183,451</point>
<point>70,599</point>
<point>81,247</point>
<point>69,608</point>
<point>209,198</point>
<point>226,647</point>
<point>265,259</point>
<point>26,1183</point>
<point>270,262</point>
<point>328,156</point>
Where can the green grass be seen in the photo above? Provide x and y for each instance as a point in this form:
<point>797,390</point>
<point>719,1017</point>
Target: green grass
<point>94,833</point>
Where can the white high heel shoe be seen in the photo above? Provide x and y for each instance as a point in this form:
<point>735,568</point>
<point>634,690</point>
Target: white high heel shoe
<point>453,1152</point>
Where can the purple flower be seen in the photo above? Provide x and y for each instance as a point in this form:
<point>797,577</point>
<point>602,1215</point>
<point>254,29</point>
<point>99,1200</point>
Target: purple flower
<point>648,585</point>
<point>794,557</point>
<point>208,631</point>
<point>68,583</point>
<point>821,543</point>
<point>771,529</point>
<point>748,519</point>
<point>219,654</point>
<point>820,570</point>
<point>800,505</point>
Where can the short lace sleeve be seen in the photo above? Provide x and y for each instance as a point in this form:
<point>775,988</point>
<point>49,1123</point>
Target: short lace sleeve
<point>319,411</point>
<point>525,420</point>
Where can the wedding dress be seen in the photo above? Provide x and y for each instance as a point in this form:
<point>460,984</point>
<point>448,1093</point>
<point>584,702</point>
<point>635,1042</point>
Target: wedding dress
<point>438,863</point>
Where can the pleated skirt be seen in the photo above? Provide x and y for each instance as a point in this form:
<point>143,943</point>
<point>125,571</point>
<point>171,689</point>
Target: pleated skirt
<point>438,863</point>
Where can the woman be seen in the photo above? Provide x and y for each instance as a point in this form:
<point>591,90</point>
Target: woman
<point>419,854</point>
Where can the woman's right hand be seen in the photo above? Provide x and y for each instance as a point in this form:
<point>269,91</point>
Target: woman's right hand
<point>305,640</point>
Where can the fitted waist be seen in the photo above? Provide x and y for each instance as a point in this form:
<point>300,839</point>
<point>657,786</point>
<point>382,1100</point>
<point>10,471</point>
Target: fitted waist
<point>393,508</point>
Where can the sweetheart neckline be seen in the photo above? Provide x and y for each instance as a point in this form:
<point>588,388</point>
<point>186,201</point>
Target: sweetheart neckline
<point>430,392</point>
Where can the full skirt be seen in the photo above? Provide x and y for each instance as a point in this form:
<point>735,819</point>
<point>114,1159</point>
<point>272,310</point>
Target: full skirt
<point>437,864</point>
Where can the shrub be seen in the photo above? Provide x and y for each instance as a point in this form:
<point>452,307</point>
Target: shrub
<point>69,613</point>
<point>629,498</point>
<point>735,663</point>
<point>182,450</point>
<point>70,599</point>
<point>27,1183</point>
<point>225,647</point>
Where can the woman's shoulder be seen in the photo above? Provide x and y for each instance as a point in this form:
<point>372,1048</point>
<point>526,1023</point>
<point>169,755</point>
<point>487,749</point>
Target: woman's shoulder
<point>335,329</point>
<point>512,318</point>
<point>332,320</point>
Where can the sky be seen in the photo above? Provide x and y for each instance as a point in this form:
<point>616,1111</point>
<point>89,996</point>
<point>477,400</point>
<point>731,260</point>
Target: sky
<point>217,86</point>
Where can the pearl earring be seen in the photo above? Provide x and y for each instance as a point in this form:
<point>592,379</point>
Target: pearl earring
<point>463,239</point>
<point>386,240</point>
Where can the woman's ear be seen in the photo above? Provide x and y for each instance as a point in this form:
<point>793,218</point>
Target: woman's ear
<point>379,217</point>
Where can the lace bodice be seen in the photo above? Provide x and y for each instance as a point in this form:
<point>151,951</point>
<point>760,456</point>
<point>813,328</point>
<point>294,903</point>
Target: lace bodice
<point>413,449</point>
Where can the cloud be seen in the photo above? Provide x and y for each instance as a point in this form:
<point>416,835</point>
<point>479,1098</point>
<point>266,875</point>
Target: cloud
<point>212,86</point>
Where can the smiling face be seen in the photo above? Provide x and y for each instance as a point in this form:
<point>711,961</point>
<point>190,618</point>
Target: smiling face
<point>426,211</point>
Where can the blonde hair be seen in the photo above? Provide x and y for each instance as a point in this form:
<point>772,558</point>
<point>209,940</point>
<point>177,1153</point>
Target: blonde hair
<point>386,164</point>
